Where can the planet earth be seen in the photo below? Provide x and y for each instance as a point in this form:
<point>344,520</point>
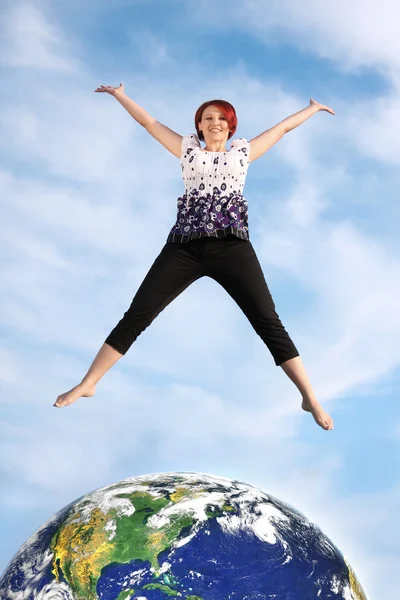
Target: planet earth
<point>179,535</point>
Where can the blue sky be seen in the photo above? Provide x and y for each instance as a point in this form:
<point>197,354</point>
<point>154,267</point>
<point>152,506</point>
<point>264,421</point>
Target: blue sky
<point>87,201</point>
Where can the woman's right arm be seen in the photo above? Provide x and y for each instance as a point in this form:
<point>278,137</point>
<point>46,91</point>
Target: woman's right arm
<point>171,140</point>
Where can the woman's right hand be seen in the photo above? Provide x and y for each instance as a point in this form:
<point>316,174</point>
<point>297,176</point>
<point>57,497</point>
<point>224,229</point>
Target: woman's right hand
<point>114,91</point>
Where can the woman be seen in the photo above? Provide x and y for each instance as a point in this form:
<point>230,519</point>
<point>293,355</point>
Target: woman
<point>210,237</point>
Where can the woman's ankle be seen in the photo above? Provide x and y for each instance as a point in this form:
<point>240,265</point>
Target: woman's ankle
<point>87,382</point>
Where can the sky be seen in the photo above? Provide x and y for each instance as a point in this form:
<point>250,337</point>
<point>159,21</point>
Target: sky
<point>87,200</point>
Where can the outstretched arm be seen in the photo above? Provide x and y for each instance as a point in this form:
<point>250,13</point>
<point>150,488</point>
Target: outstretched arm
<point>171,140</point>
<point>263,142</point>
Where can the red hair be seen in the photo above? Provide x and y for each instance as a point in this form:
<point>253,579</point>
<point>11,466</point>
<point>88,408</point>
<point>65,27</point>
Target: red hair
<point>226,108</point>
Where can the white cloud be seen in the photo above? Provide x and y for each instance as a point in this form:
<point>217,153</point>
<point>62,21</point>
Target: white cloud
<point>152,50</point>
<point>31,41</point>
<point>8,371</point>
<point>347,32</point>
<point>356,322</point>
<point>374,128</point>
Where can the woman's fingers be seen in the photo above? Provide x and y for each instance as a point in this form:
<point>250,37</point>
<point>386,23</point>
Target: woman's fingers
<point>322,106</point>
<point>104,88</point>
<point>109,88</point>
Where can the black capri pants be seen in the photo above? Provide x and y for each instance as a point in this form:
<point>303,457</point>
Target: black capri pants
<point>230,261</point>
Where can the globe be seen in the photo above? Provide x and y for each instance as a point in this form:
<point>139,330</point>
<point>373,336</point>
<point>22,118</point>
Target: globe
<point>179,535</point>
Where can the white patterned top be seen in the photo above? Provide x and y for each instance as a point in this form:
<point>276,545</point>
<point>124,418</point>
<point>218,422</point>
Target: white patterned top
<point>213,203</point>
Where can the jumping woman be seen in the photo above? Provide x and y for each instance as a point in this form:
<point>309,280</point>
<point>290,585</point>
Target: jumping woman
<point>210,237</point>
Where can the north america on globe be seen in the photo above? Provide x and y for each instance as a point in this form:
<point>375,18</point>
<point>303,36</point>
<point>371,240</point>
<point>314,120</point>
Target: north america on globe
<point>179,535</point>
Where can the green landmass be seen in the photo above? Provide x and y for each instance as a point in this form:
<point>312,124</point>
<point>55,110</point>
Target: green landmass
<point>164,588</point>
<point>125,595</point>
<point>82,549</point>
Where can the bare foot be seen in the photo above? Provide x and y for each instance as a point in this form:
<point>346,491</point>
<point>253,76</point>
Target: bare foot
<point>320,416</point>
<point>82,389</point>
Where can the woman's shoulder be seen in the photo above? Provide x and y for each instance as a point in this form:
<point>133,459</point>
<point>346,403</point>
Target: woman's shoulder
<point>239,143</point>
<point>190,143</point>
<point>191,138</point>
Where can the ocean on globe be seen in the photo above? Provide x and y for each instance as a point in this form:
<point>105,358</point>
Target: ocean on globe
<point>179,535</point>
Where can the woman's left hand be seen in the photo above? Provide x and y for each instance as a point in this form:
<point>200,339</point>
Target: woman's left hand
<point>321,106</point>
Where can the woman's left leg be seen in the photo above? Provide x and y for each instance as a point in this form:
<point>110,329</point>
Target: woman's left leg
<point>234,265</point>
<point>295,370</point>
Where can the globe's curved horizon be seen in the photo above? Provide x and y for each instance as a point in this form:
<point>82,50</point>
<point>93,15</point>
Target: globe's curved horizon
<point>185,535</point>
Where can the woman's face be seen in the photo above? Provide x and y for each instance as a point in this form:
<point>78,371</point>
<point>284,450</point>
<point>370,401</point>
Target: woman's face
<point>213,119</point>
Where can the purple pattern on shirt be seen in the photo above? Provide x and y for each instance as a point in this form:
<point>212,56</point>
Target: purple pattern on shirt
<point>210,212</point>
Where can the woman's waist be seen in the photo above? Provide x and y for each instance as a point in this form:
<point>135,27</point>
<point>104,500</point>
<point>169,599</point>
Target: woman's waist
<point>195,195</point>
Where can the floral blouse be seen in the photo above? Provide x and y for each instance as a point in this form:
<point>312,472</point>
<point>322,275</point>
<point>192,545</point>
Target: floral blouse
<point>212,204</point>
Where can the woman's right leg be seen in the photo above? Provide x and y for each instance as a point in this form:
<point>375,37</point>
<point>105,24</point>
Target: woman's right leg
<point>176,267</point>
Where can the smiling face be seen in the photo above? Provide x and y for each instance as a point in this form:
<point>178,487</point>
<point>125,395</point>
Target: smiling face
<point>214,125</point>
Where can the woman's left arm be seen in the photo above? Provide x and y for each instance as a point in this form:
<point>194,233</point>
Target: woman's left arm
<point>263,142</point>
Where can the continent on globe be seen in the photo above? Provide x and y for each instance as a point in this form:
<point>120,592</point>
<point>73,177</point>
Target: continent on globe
<point>184,535</point>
